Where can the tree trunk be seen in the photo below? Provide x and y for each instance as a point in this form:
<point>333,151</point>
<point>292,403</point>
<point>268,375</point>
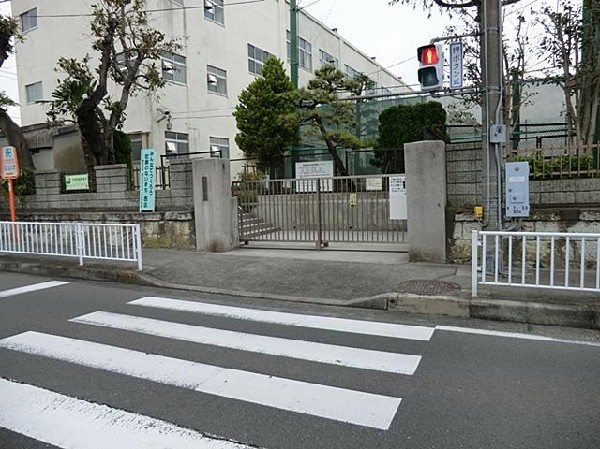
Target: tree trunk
<point>14,136</point>
<point>91,135</point>
<point>340,169</point>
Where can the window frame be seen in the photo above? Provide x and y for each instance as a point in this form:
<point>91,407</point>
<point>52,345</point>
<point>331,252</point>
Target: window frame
<point>305,54</point>
<point>176,139</point>
<point>216,80</point>
<point>324,58</point>
<point>222,143</point>
<point>29,90</point>
<point>350,72</point>
<point>218,12</point>
<point>29,17</point>
<point>177,66</point>
<point>258,63</point>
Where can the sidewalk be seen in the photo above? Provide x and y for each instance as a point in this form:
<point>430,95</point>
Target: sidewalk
<point>372,279</point>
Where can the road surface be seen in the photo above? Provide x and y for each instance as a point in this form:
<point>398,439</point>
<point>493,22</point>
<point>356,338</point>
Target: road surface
<point>91,365</point>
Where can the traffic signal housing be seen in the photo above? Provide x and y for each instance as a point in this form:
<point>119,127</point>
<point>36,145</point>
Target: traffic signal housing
<point>431,67</point>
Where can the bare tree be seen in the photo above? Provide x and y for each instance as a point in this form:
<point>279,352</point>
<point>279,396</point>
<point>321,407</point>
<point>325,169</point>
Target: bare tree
<point>570,45</point>
<point>128,51</point>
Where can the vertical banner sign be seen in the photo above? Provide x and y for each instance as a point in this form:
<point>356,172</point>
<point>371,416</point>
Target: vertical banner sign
<point>456,65</point>
<point>148,180</point>
<point>9,170</point>
<point>398,201</point>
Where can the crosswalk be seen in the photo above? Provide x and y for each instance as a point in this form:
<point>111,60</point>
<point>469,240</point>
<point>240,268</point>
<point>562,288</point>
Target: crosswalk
<point>58,416</point>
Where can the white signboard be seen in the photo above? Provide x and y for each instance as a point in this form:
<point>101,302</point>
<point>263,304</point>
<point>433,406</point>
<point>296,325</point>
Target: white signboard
<point>312,170</point>
<point>398,203</point>
<point>456,65</point>
<point>374,184</point>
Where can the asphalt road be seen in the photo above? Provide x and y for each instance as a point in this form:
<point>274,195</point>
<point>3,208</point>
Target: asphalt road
<point>82,366</point>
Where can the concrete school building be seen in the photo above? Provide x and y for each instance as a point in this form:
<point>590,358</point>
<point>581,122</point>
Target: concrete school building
<point>224,45</point>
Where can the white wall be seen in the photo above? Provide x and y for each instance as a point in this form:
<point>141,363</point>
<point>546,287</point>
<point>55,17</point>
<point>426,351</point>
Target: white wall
<point>194,110</point>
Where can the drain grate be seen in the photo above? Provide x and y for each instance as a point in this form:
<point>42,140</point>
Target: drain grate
<point>428,287</point>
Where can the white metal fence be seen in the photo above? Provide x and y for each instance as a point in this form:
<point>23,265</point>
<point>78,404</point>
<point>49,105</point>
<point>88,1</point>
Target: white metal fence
<point>555,260</point>
<point>118,242</point>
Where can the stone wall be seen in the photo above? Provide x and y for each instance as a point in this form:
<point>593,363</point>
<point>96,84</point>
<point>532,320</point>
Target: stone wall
<point>543,219</point>
<point>170,226</point>
<point>464,189</point>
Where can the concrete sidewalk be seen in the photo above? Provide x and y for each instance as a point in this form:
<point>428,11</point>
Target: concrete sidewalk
<point>373,279</point>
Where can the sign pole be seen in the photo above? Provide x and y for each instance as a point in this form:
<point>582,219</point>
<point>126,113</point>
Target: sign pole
<point>11,200</point>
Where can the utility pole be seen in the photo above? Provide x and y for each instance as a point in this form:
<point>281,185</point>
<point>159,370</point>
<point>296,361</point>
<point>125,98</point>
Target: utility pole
<point>294,43</point>
<point>491,64</point>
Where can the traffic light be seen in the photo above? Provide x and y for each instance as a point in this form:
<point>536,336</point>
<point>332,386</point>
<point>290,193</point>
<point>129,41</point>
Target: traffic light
<point>431,67</point>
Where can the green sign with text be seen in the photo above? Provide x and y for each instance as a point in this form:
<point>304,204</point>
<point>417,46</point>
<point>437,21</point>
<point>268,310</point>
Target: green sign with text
<point>77,182</point>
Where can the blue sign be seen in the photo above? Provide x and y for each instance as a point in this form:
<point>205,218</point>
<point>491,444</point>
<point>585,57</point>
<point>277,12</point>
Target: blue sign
<point>148,181</point>
<point>456,65</point>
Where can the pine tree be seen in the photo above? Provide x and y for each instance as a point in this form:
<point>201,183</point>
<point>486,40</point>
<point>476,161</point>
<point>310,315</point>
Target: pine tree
<point>266,118</point>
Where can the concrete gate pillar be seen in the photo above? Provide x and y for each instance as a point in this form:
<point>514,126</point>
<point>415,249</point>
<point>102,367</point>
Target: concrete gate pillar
<point>213,205</point>
<point>425,164</point>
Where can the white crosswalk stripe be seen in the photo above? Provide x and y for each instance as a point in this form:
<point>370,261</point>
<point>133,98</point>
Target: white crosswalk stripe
<point>307,350</point>
<point>30,288</point>
<point>292,319</point>
<point>57,419</point>
<point>339,404</point>
<point>342,405</point>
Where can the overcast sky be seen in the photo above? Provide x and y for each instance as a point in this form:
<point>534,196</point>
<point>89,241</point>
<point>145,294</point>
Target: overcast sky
<point>391,34</point>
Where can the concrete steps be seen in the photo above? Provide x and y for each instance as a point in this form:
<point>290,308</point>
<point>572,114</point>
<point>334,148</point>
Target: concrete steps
<point>252,226</point>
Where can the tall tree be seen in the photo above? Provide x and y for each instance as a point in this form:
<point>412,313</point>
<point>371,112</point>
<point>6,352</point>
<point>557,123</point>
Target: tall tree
<point>9,30</point>
<point>402,124</point>
<point>330,117</point>
<point>128,51</point>
<point>267,119</point>
<point>570,42</point>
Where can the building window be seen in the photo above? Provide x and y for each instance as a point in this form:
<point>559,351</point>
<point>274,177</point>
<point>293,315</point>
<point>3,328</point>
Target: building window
<point>304,51</point>
<point>137,144</point>
<point>29,20</point>
<point>34,92</point>
<point>304,54</point>
<point>219,147</point>
<point>213,10</point>
<point>176,143</point>
<point>256,59</point>
<point>350,73</point>
<point>216,80</point>
<point>327,59</point>
<point>174,68</point>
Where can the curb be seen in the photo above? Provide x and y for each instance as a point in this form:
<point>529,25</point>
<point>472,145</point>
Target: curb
<point>527,312</point>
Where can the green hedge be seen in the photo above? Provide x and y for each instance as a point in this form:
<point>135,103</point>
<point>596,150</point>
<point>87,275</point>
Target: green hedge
<point>543,167</point>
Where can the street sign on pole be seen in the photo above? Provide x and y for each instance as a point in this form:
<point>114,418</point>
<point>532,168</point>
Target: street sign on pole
<point>456,65</point>
<point>9,170</point>
<point>9,163</point>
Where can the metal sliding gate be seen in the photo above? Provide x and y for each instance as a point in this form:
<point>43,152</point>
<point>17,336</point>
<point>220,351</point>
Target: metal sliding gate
<point>353,209</point>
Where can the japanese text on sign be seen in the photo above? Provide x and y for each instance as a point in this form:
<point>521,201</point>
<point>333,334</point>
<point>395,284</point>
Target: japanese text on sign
<point>148,180</point>
<point>456,65</point>
<point>9,163</point>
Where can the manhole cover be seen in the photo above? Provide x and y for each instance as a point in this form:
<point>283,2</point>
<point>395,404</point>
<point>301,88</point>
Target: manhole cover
<point>427,287</point>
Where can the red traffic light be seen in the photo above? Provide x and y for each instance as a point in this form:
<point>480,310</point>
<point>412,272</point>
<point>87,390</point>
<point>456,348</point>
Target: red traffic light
<point>428,54</point>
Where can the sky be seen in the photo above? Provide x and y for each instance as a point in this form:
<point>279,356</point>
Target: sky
<point>391,34</point>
